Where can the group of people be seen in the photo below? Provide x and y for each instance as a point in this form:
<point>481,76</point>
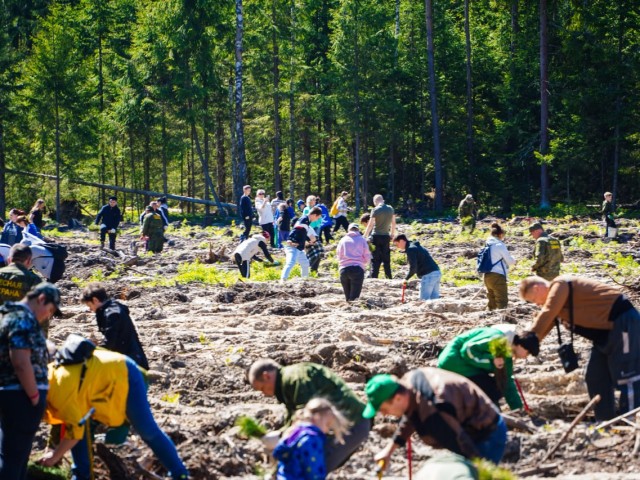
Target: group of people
<point>20,222</point>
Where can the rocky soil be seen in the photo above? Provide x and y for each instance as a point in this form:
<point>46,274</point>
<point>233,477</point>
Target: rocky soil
<point>200,339</point>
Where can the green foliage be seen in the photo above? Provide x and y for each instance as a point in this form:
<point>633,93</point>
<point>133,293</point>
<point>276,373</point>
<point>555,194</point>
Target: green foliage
<point>499,348</point>
<point>36,471</point>
<point>490,471</point>
<point>250,427</point>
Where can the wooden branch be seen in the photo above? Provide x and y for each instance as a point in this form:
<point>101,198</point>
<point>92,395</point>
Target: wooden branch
<point>513,422</point>
<point>618,418</point>
<point>117,469</point>
<point>536,470</point>
<point>636,445</point>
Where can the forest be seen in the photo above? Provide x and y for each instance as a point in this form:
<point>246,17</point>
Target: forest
<point>523,104</point>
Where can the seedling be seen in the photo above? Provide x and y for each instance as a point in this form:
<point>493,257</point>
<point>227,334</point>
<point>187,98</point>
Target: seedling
<point>171,397</point>
<point>250,427</point>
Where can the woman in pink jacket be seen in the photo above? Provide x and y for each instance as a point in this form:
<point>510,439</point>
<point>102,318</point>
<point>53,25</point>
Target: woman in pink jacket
<point>353,257</point>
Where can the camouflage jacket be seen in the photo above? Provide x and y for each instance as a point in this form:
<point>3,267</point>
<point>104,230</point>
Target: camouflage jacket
<point>547,255</point>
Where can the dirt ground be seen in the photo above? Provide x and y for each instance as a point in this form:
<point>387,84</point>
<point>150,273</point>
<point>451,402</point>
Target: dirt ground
<point>200,339</point>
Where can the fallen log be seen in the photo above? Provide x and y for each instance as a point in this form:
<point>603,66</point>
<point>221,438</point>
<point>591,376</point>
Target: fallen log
<point>537,470</point>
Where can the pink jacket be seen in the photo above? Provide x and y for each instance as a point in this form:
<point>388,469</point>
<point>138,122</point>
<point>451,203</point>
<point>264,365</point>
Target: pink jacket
<point>353,250</point>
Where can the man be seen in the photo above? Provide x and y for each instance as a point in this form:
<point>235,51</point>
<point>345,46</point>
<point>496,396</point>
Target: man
<point>153,229</point>
<point>608,215</point>
<point>602,314</point>
<point>115,324</point>
<point>353,256</point>
<point>382,227</point>
<point>16,279</point>
<point>467,213</point>
<point>422,265</point>
<point>246,211</point>
<point>547,253</point>
<point>23,375</point>
<point>109,218</point>
<point>294,246</point>
<point>445,409</point>
<point>295,385</point>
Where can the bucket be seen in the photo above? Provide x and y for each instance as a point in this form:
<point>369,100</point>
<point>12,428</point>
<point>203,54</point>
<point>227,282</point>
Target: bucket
<point>612,232</point>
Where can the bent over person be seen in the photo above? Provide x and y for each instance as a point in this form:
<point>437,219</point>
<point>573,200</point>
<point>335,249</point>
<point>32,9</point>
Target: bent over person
<point>294,385</point>
<point>445,409</point>
<point>602,314</point>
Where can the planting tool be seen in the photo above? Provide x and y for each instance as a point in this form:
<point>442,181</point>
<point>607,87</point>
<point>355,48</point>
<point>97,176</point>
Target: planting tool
<point>409,458</point>
<point>86,416</point>
<point>380,469</point>
<point>524,401</point>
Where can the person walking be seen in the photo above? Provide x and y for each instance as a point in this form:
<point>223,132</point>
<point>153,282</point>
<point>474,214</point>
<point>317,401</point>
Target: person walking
<point>602,314</point>
<point>246,212</point>
<point>547,253</point>
<point>353,256</point>
<point>23,375</point>
<point>36,214</point>
<point>382,227</point>
<point>295,385</point>
<point>444,408</point>
<point>109,218</point>
<point>495,281</point>
<point>265,215</point>
<point>608,216</point>
<point>422,265</point>
<point>341,217</point>
<point>294,246</point>
<point>467,213</point>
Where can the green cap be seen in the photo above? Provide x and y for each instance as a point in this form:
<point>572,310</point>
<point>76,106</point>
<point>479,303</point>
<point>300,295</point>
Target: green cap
<point>379,389</point>
<point>535,226</point>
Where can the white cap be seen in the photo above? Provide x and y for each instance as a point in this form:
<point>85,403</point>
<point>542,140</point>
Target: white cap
<point>508,329</point>
<point>354,226</point>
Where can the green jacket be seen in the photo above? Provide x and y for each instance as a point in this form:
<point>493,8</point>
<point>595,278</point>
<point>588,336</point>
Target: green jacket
<point>15,281</point>
<point>548,257</point>
<point>468,355</point>
<point>607,210</point>
<point>297,384</point>
<point>467,209</point>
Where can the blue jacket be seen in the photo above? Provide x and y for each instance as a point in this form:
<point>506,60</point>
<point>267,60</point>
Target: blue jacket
<point>301,455</point>
<point>109,216</point>
<point>327,221</point>
<point>11,234</point>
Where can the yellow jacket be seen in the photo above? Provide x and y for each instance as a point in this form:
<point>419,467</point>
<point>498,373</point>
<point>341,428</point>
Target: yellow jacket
<point>105,387</point>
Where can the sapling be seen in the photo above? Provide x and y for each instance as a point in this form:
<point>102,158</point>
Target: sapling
<point>250,427</point>
<point>499,348</point>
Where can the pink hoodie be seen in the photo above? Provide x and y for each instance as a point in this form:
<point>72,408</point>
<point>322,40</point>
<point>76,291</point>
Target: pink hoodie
<point>353,250</point>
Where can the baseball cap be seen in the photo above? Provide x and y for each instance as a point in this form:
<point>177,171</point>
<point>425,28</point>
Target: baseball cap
<point>300,202</point>
<point>529,341</point>
<point>354,226</point>
<point>379,389</point>
<point>50,291</point>
<point>508,329</point>
<point>535,226</point>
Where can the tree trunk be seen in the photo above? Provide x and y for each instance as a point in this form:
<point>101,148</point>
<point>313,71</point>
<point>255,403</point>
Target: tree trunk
<point>292,113</point>
<point>146,161</point>
<point>165,176</point>
<point>236,184</point>
<point>57,114</point>
<point>544,106</point>
<point>277,148</point>
<point>473,169</point>
<point>439,196</point>
<point>206,156</point>
<point>326,193</point>
<point>3,165</point>
<point>103,160</point>
<point>306,153</point>
<point>619,82</point>
<point>356,57</point>
<point>240,148</point>
<point>132,166</point>
<point>221,156</point>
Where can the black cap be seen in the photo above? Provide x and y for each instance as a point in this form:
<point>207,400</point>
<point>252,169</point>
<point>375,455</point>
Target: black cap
<point>529,341</point>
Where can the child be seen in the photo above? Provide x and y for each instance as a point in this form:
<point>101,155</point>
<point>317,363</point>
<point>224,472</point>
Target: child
<point>300,453</point>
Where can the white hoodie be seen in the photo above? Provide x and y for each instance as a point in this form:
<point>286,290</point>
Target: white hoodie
<point>265,214</point>
<point>499,252</point>
<point>250,247</point>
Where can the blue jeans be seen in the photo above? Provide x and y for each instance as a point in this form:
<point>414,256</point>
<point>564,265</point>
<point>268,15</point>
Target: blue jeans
<point>141,419</point>
<point>294,255</point>
<point>492,448</point>
<point>19,422</point>
<point>430,286</point>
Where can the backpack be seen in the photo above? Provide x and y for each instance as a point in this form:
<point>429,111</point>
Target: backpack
<point>59,254</point>
<point>484,260</point>
<point>334,209</point>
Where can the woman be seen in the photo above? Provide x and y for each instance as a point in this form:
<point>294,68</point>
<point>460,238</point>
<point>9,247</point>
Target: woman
<point>12,232</point>
<point>27,227</point>
<point>265,215</point>
<point>341,216</point>
<point>353,257</point>
<point>110,388</point>
<point>37,211</point>
<point>23,375</point>
<point>496,280</point>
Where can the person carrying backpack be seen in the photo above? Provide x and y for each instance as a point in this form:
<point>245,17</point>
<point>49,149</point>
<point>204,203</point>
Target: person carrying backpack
<point>495,276</point>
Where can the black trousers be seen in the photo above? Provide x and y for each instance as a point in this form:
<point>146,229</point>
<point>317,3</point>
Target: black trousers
<point>268,227</point>
<point>326,230</point>
<point>488,385</point>
<point>247,228</point>
<point>243,265</point>
<point>351,279</point>
<point>381,255</point>
<point>112,238</point>
<point>341,222</point>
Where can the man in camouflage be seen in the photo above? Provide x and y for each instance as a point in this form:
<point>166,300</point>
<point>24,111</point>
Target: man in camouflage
<point>16,279</point>
<point>547,253</point>
<point>153,229</point>
<point>467,213</point>
<point>608,211</point>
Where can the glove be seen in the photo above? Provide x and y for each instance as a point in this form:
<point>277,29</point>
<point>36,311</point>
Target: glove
<point>103,226</point>
<point>247,218</point>
<point>113,230</point>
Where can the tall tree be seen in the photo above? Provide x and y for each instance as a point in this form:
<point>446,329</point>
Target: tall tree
<point>544,106</point>
<point>241,157</point>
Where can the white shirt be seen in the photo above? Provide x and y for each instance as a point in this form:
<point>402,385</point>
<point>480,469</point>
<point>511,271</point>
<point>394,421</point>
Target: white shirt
<point>500,256</point>
<point>265,214</point>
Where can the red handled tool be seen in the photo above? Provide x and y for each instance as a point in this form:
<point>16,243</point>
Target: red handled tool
<point>524,401</point>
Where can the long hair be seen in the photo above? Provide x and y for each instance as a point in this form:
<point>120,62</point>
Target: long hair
<point>317,408</point>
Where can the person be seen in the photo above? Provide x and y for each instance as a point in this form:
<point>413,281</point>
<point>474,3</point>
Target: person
<point>114,323</point>
<point>547,253</point>
<point>36,214</point>
<point>382,227</point>
<point>485,356</point>
<point>23,375</point>
<point>16,279</point>
<point>364,219</point>
<point>608,215</point>
<point>301,205</point>
<point>353,256</point>
<point>283,221</point>
<point>275,203</point>
<point>601,313</point>
<point>444,408</point>
<point>246,212</point>
<point>326,222</point>
<point>109,218</point>
<point>495,281</point>
<point>265,215</point>
<point>294,385</point>
<point>422,265</point>
<point>249,249</point>
<point>110,387</point>
<point>12,232</point>
<point>341,217</point>
<point>28,228</point>
<point>301,234</point>
<point>153,229</point>
<point>314,250</point>
<point>467,213</point>
<point>163,206</point>
<point>300,453</point>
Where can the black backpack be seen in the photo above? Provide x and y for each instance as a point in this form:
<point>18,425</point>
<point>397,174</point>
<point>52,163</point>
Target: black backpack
<point>59,254</point>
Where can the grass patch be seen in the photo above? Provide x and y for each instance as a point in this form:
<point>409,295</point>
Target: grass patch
<point>38,472</point>
<point>489,471</point>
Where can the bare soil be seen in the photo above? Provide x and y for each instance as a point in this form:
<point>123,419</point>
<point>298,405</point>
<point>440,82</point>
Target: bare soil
<point>200,339</point>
